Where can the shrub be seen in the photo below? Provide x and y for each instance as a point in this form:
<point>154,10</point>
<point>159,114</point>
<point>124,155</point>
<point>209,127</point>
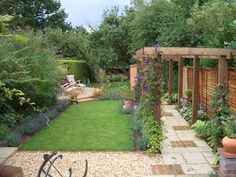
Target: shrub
<point>117,78</point>
<point>3,131</point>
<point>12,139</point>
<point>29,64</point>
<point>79,68</point>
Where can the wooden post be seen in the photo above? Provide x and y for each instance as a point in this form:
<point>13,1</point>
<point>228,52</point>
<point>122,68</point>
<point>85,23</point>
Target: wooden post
<point>223,72</point>
<point>170,77</point>
<point>180,80</point>
<point>157,103</point>
<point>138,66</point>
<point>164,75</point>
<point>195,101</point>
<point>157,110</point>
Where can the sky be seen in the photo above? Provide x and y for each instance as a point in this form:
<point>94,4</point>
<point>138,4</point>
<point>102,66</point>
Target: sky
<point>84,12</point>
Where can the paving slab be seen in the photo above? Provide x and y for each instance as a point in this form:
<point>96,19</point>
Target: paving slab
<point>173,158</point>
<point>194,158</point>
<point>195,161</point>
<point>197,169</point>
<point>6,152</point>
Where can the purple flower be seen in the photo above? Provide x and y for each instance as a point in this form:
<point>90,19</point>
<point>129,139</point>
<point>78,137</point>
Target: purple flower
<point>145,87</point>
<point>146,61</point>
<point>183,100</point>
<point>157,45</point>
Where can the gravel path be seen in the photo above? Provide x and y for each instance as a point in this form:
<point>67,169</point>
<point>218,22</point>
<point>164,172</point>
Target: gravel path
<point>100,164</point>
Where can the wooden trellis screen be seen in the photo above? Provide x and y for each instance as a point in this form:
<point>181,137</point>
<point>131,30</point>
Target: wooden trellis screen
<point>208,84</point>
<point>177,54</point>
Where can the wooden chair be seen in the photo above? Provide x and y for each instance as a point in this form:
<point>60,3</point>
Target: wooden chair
<point>72,83</point>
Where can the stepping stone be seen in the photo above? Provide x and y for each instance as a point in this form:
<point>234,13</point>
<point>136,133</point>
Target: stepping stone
<point>181,127</point>
<point>197,169</point>
<point>173,158</point>
<point>167,114</point>
<point>167,170</point>
<point>194,158</point>
<point>175,144</point>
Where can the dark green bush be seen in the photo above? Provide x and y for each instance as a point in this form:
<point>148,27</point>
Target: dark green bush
<point>79,68</point>
<point>12,139</point>
<point>3,131</point>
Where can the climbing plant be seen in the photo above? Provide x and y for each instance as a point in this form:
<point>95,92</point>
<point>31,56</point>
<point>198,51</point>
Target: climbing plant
<point>148,90</point>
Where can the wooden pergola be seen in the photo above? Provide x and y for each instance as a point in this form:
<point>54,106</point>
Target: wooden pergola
<point>178,54</point>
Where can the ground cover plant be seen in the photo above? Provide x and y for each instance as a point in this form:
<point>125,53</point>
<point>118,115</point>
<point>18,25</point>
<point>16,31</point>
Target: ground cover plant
<point>95,125</point>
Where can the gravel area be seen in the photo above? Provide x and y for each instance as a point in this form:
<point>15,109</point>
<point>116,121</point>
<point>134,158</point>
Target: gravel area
<point>133,164</point>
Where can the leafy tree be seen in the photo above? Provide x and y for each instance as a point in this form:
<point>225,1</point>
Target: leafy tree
<point>70,44</point>
<point>213,22</point>
<point>37,14</point>
<point>110,43</point>
<point>161,22</point>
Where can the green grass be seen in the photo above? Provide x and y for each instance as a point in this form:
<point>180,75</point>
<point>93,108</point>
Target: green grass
<point>92,126</point>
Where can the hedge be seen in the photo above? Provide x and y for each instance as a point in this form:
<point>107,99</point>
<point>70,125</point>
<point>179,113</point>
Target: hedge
<point>79,68</point>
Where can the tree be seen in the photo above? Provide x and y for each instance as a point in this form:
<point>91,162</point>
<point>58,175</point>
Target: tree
<point>214,22</point>
<point>110,43</point>
<point>37,14</point>
<point>70,44</point>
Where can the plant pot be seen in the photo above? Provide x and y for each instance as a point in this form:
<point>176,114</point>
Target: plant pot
<point>129,103</point>
<point>229,145</point>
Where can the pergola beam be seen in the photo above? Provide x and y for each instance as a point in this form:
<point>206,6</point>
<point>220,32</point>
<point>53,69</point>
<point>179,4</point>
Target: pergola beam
<point>213,53</point>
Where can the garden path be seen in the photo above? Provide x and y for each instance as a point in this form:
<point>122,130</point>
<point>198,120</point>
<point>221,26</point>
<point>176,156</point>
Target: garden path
<point>183,152</point>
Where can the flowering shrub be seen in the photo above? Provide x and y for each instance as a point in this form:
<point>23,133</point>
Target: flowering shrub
<point>148,90</point>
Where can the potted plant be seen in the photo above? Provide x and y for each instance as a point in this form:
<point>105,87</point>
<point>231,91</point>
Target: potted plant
<point>129,99</point>
<point>229,141</point>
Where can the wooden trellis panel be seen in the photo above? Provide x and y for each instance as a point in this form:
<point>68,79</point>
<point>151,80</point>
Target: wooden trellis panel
<point>208,83</point>
<point>232,89</point>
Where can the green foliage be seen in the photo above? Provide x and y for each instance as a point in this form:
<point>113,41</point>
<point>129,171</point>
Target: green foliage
<point>202,128</point>
<point>186,112</point>
<point>151,132</point>
<point>213,22</point>
<point>35,14</point>
<point>230,129</point>
<point>3,131</point>
<point>79,68</point>
<point>114,91</point>
<point>189,93</point>
<point>12,139</point>
<point>170,99</point>
<point>110,42</point>
<point>214,129</point>
<point>70,44</point>
<point>30,66</point>
<point>4,20</point>
<point>10,102</point>
<point>117,78</point>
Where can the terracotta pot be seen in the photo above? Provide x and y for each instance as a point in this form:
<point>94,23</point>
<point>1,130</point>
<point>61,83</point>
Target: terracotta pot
<point>10,171</point>
<point>129,103</point>
<point>229,145</point>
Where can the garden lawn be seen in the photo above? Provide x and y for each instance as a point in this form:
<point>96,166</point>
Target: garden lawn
<point>95,126</point>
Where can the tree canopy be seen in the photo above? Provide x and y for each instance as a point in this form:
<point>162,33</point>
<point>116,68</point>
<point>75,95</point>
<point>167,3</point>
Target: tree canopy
<point>37,14</point>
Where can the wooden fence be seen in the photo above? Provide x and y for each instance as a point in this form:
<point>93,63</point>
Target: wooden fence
<point>207,85</point>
